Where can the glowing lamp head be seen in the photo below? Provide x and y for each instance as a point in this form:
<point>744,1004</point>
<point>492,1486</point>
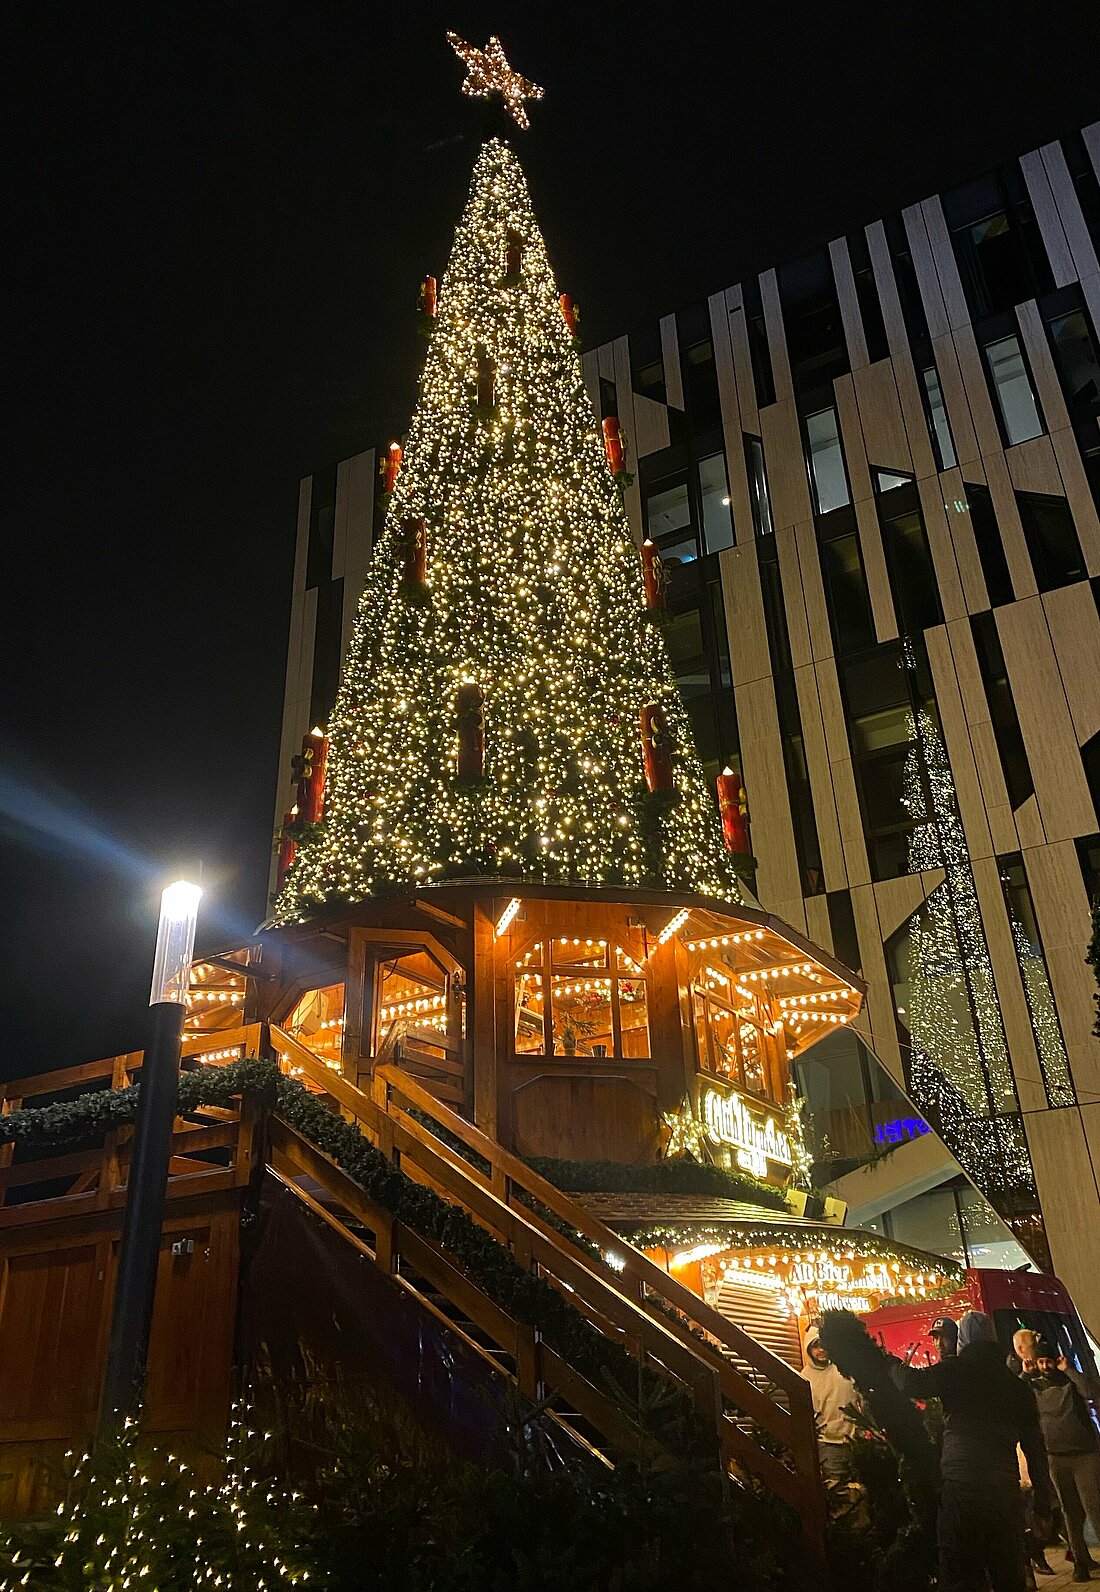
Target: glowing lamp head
<point>179,911</point>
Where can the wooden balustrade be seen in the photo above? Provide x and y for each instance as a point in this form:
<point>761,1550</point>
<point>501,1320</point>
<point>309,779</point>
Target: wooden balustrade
<point>732,1378</point>
<point>94,1179</point>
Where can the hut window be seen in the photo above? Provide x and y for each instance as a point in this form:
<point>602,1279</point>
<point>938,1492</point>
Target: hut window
<point>580,997</point>
<point>412,996</point>
<point>317,1022</point>
<point>726,1031</point>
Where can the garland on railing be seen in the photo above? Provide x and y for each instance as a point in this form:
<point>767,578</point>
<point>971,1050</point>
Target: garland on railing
<point>663,1177</point>
<point>482,1258</point>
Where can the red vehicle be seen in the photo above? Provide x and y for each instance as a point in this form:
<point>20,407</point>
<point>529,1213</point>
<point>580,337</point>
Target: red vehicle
<point>1014,1299</point>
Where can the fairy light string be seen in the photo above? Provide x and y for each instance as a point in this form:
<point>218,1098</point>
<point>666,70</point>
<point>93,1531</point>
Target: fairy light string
<point>535,597</point>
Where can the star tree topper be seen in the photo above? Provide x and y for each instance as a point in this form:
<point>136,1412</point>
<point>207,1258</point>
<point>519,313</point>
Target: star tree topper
<point>489,73</point>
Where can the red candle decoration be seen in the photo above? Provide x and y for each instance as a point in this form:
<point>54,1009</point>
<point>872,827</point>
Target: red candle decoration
<point>656,748</point>
<point>414,552</point>
<point>613,446</point>
<point>287,847</point>
<point>653,574</point>
<point>470,716</point>
<point>486,380</point>
<point>734,808</point>
<point>389,465</point>
<point>429,293</point>
<point>310,768</point>
<point>571,313</point>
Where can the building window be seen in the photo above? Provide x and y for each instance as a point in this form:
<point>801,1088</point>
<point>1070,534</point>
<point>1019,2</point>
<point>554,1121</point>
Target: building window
<point>799,792</point>
<point>1002,710</point>
<point>846,584</point>
<point>1085,181</point>
<point>609,399</point>
<point>870,309</point>
<point>586,997</point>
<point>698,649</point>
<point>1012,390</point>
<point>647,370</point>
<point>997,242</point>
<point>758,487</point>
<point>827,472</point>
<point>936,415</point>
<point>991,552</point>
<point>700,375</point>
<point>327,650</point>
<point>775,613</point>
<point>1051,539</point>
<point>759,348</point>
<point>1049,1043</point>
<point>1088,855</point>
<point>668,521</point>
<point>908,558</point>
<point>811,317</point>
<point>901,769</point>
<point>714,495</point>
<point>905,275</point>
<point>1078,364</point>
<point>322,526</point>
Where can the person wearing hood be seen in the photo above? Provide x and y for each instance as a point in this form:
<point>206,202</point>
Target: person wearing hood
<point>987,1411</point>
<point>832,1393</point>
<point>1071,1442</point>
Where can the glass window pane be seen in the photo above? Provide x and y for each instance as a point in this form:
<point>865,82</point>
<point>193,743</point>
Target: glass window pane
<point>1051,539</point>
<point>529,1008</point>
<point>581,1009</point>
<point>413,992</point>
<point>846,587</point>
<point>931,1222</point>
<point>317,1022</point>
<point>668,510</point>
<point>715,493</point>
<point>826,461</point>
<point>1053,1061</point>
<point>937,418</point>
<point>1012,389</point>
<point>988,1241</point>
<point>887,481</point>
<point>758,487</point>
<point>1076,355</point>
<point>633,1017</point>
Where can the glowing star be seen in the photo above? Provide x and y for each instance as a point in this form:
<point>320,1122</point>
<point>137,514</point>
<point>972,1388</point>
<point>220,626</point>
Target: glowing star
<point>489,73</point>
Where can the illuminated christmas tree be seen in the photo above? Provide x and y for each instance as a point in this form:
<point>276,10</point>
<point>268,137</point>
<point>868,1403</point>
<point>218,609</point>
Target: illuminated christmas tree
<point>507,706</point>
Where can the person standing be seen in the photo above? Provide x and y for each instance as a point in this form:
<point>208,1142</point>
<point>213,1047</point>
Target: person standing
<point>987,1411</point>
<point>832,1394</point>
<point>944,1333</point>
<point>1071,1442</point>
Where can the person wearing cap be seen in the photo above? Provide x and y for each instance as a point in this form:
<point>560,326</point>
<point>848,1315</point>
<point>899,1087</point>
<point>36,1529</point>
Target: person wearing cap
<point>987,1411</point>
<point>1071,1441</point>
<point>944,1333</point>
<point>832,1394</point>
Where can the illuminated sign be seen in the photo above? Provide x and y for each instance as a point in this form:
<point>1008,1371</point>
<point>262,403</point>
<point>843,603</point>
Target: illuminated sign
<point>756,1138</point>
<point>900,1130</point>
<point>805,1285</point>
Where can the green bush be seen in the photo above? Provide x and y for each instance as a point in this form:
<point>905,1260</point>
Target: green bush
<point>664,1177</point>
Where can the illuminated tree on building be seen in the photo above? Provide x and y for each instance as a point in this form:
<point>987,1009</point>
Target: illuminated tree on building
<point>959,1071</point>
<point>506,708</point>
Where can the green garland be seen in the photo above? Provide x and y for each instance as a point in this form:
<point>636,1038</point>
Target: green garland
<point>664,1177</point>
<point>1093,959</point>
<point>482,1258</point>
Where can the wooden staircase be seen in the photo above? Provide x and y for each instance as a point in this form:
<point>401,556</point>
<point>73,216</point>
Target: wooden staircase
<point>756,1407</point>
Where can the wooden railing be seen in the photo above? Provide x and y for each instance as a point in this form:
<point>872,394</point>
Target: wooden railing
<point>755,1401</point>
<point>215,1151</point>
<point>431,1057</point>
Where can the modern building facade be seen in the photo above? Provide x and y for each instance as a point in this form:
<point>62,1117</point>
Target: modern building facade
<point>873,475</point>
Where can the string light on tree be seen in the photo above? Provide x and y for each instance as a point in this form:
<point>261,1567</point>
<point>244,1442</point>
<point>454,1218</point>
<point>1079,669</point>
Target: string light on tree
<point>493,726</point>
<point>488,72</point>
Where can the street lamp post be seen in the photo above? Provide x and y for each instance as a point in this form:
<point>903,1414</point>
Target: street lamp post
<point>139,1249</point>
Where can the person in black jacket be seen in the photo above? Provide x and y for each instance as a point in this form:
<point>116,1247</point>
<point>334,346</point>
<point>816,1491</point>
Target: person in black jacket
<point>1071,1442</point>
<point>987,1411</point>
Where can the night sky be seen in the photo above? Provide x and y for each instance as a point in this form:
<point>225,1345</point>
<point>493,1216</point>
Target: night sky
<point>220,218</point>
